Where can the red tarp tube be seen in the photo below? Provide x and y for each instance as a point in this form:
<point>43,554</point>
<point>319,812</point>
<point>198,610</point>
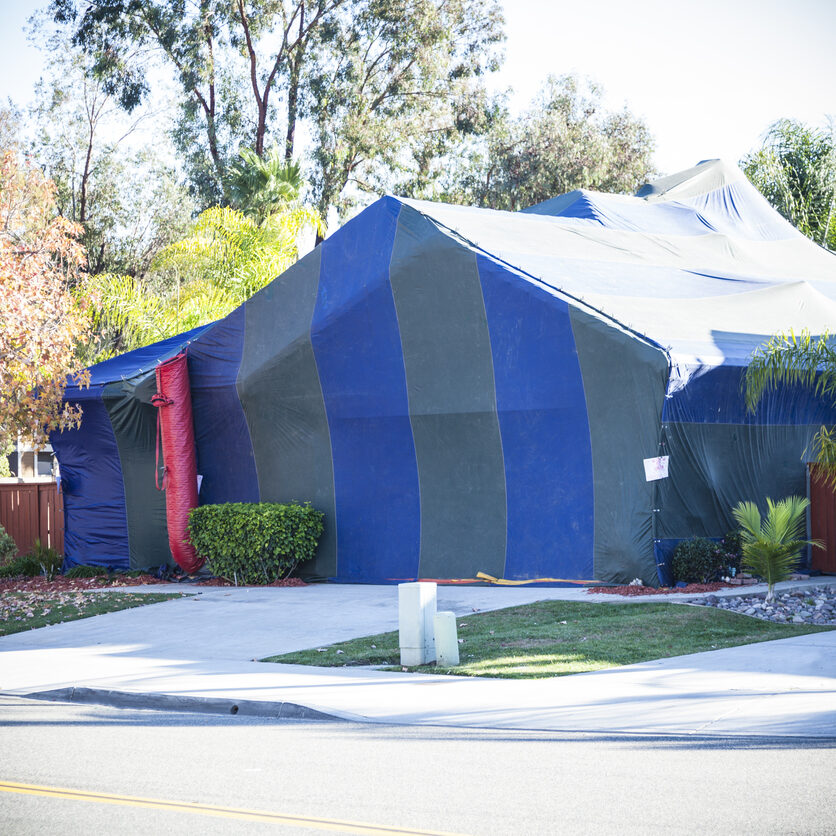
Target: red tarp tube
<point>175,425</point>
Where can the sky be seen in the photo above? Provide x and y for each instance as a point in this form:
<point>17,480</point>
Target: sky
<point>707,77</point>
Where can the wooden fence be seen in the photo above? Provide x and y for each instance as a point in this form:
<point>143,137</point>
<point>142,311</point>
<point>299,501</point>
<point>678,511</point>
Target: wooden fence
<point>30,511</point>
<point>822,520</point>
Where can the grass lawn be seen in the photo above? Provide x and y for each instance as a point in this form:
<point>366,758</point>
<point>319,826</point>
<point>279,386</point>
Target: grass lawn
<point>21,611</point>
<point>554,638</point>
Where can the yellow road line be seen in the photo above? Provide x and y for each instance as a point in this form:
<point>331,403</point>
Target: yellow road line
<point>213,810</point>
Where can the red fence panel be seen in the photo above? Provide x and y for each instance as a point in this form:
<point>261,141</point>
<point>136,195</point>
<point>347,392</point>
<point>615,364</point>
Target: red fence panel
<point>30,511</point>
<point>822,521</point>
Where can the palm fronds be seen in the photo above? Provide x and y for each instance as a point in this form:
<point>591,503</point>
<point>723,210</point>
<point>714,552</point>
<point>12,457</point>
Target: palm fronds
<point>772,544</point>
<point>228,255</point>
<point>262,186</point>
<point>790,359</point>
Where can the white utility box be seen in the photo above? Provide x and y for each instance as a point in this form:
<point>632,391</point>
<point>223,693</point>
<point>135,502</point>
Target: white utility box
<point>446,640</point>
<point>416,629</point>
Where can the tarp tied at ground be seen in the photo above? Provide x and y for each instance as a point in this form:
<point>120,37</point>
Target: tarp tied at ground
<point>465,390</point>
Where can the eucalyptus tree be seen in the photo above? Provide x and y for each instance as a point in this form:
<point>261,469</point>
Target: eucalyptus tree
<point>231,61</point>
<point>565,140</point>
<point>384,85</point>
<point>394,87</point>
<point>124,196</point>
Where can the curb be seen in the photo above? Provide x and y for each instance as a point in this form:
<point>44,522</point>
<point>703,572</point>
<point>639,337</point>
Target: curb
<point>169,702</point>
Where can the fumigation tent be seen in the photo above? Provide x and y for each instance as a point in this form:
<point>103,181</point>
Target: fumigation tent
<point>464,390</point>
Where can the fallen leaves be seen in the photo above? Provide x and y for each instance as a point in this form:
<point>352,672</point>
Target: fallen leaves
<point>45,604</point>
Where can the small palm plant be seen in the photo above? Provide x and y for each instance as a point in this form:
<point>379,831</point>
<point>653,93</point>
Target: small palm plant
<point>771,545</point>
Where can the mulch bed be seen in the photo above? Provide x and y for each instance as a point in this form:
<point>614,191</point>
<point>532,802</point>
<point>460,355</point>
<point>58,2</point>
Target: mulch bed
<point>662,590</point>
<point>62,584</point>
<point>224,582</point>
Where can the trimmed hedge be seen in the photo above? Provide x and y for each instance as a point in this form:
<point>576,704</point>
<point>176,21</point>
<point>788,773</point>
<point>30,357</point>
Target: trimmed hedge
<point>255,543</point>
<point>698,560</point>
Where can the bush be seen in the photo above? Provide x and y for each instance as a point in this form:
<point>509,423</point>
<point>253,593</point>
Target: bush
<point>48,559</point>
<point>732,550</point>
<point>8,547</point>
<point>698,560</point>
<point>255,543</point>
<point>42,560</point>
<point>85,571</point>
<point>23,565</point>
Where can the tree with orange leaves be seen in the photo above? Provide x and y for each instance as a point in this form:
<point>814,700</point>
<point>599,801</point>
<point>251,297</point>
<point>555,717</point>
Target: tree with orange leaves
<point>40,321</point>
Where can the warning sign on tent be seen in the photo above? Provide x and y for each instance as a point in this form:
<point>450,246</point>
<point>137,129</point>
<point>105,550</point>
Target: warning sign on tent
<point>656,468</point>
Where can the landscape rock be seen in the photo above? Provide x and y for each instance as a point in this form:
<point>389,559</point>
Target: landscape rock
<point>816,605</point>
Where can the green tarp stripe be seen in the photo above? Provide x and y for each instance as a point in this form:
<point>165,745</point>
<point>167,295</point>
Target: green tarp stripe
<point>452,401</point>
<point>279,388</point>
<point>624,381</point>
<point>134,423</point>
<point>561,293</point>
<point>715,466</point>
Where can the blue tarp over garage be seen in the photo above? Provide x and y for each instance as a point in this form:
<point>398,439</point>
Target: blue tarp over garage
<point>463,390</point>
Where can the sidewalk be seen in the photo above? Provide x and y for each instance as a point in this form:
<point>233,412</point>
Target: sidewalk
<point>200,650</point>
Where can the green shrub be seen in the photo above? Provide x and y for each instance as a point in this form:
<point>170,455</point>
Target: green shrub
<point>85,571</point>
<point>698,560</point>
<point>48,559</point>
<point>24,565</point>
<point>255,543</point>
<point>8,547</point>
<point>732,551</point>
<point>42,560</point>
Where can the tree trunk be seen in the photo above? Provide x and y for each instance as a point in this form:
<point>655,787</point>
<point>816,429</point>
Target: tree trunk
<point>293,104</point>
<point>85,177</point>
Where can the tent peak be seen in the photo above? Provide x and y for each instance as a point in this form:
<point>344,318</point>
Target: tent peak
<point>706,176</point>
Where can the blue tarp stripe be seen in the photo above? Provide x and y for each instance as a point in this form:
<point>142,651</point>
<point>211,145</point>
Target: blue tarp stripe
<point>714,395</point>
<point>224,447</point>
<point>544,426</point>
<point>356,343</point>
<point>141,360</point>
<point>95,520</point>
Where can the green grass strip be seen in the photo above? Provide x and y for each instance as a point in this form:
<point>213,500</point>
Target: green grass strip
<point>21,611</point>
<point>555,638</point>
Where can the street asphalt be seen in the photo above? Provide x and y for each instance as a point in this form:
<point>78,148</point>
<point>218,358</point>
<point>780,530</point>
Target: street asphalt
<point>199,653</point>
<point>93,769</point>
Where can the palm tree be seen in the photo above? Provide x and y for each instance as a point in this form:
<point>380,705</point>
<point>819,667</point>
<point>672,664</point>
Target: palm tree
<point>225,259</point>
<point>261,186</point>
<point>790,359</point>
<point>771,545</point>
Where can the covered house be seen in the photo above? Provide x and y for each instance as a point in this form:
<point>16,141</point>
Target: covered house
<point>464,390</point>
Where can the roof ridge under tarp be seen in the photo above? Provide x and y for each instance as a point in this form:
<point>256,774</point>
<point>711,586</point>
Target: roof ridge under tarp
<point>142,360</point>
<point>710,197</point>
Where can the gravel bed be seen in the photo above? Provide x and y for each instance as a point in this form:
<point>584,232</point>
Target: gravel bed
<point>813,605</point>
